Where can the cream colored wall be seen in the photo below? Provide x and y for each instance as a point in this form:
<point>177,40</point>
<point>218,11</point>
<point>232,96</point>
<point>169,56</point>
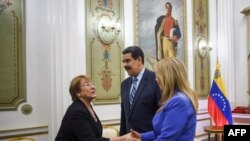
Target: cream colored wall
<point>240,49</point>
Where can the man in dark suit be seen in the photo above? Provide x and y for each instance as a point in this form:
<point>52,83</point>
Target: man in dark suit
<point>140,93</point>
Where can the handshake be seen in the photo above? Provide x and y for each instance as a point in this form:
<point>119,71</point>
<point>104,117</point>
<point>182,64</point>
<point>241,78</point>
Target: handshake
<point>132,136</point>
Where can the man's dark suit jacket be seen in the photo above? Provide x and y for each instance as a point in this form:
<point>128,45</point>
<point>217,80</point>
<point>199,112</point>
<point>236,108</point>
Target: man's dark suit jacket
<point>144,106</point>
<point>79,125</point>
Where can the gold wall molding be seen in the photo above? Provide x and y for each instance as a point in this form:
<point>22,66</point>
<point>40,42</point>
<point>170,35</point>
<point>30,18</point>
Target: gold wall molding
<point>200,135</point>
<point>111,122</point>
<point>202,113</point>
<point>26,109</point>
<point>22,139</point>
<point>203,133</point>
<point>22,132</point>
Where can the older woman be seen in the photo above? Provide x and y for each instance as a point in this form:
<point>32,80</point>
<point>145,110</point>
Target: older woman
<point>175,120</point>
<point>80,123</point>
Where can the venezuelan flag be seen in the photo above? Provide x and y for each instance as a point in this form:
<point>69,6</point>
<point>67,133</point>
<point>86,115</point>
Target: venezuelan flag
<point>218,104</point>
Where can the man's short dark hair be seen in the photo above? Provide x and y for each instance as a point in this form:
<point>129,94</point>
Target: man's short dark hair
<point>135,51</point>
<point>168,3</point>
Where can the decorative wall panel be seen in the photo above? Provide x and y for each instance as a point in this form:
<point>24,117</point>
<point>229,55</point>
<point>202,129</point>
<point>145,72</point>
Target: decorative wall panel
<point>201,49</point>
<point>246,11</point>
<point>12,53</point>
<point>104,44</point>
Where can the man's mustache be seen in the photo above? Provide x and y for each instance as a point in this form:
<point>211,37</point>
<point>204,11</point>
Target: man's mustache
<point>127,68</point>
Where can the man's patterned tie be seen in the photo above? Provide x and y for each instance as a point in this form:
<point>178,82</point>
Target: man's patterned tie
<point>132,94</point>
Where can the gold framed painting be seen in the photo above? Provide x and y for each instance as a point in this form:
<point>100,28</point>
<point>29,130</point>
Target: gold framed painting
<point>153,30</point>
<point>104,44</point>
<point>12,54</point>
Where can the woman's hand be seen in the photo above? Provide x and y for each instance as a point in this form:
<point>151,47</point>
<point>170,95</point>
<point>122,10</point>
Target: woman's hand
<point>126,137</point>
<point>129,137</point>
<point>135,134</point>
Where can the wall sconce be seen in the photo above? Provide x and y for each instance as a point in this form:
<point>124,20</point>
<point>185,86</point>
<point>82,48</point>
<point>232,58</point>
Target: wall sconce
<point>107,29</point>
<point>203,47</point>
<point>112,28</point>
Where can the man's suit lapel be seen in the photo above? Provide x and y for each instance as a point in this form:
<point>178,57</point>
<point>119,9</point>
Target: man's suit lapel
<point>139,91</point>
<point>128,87</point>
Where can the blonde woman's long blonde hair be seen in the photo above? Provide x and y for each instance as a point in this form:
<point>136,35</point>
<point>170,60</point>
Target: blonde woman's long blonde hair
<point>171,75</point>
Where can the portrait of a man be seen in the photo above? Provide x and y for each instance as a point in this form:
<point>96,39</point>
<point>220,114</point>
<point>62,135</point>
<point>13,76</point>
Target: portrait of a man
<point>167,34</point>
<point>159,29</point>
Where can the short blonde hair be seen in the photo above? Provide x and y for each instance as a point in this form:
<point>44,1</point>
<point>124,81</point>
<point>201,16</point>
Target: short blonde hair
<point>172,75</point>
<point>74,87</point>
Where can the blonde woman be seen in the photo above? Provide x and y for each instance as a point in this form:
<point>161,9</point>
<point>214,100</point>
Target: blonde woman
<point>175,120</point>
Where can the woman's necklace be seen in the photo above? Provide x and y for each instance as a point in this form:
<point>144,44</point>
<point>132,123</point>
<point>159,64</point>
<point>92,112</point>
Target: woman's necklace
<point>92,113</point>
